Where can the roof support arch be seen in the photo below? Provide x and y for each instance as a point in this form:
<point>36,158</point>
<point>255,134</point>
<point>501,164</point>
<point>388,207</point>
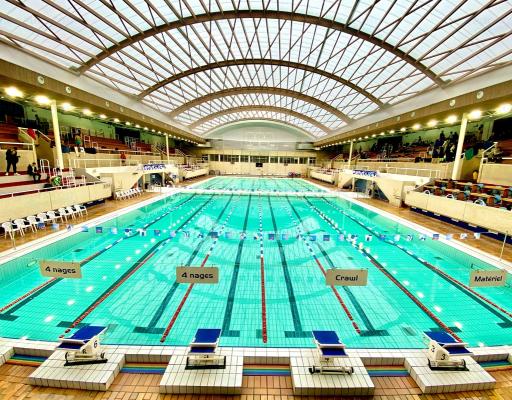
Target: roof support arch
<point>264,90</point>
<point>260,108</point>
<point>211,131</point>
<point>260,61</point>
<point>264,14</point>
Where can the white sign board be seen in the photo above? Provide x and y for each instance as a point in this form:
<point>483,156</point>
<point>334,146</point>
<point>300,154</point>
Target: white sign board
<point>60,269</point>
<point>488,278</point>
<point>346,277</point>
<point>197,275</point>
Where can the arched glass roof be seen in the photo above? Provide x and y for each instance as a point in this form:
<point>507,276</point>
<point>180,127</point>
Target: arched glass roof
<point>354,56</point>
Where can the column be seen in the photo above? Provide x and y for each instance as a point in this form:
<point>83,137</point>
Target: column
<point>167,147</point>
<point>56,134</point>
<point>350,153</point>
<point>462,134</point>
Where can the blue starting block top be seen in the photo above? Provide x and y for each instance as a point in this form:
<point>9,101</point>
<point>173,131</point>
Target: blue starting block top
<point>81,337</point>
<point>326,338</point>
<point>207,336</point>
<point>449,343</point>
<point>441,337</point>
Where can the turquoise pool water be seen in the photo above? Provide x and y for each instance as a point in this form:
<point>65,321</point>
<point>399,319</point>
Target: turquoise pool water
<point>258,184</point>
<point>129,283</point>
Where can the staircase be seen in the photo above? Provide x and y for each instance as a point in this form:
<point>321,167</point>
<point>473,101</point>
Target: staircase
<point>12,184</point>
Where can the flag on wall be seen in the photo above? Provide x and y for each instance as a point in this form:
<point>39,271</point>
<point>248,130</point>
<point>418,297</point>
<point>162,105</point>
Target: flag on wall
<point>423,237</point>
<point>113,230</point>
<point>157,232</point>
<point>84,228</point>
<point>142,232</point>
<point>368,238</point>
<point>397,238</point>
<point>327,238</point>
<point>409,238</point>
<point>476,235</point>
<point>312,238</point>
<point>172,234</point>
<point>99,229</point>
<point>228,235</point>
<point>271,236</point>
<point>127,231</point>
<point>69,227</point>
<point>341,237</point>
<point>285,236</point>
<point>449,236</point>
<point>435,236</point>
<point>463,236</point>
<point>214,234</point>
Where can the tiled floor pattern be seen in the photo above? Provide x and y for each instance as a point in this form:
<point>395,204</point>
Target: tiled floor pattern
<point>14,385</point>
<point>429,381</point>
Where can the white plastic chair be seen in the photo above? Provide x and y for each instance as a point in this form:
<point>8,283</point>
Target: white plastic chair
<point>52,216</point>
<point>22,224</point>
<point>64,213</point>
<point>43,217</point>
<point>11,230</point>
<point>71,211</point>
<point>34,223</point>
<point>80,209</point>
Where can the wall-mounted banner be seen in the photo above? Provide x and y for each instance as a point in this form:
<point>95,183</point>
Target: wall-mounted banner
<point>152,167</point>
<point>197,275</point>
<point>60,269</point>
<point>488,278</point>
<point>346,277</point>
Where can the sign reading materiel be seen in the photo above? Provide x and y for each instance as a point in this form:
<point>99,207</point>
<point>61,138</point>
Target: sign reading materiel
<point>60,269</point>
<point>488,278</point>
<point>197,275</point>
<point>346,277</point>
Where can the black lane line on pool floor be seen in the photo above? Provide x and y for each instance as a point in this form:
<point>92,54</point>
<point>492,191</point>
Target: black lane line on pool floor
<point>298,332</point>
<point>370,329</point>
<point>137,265</point>
<point>226,331</point>
<point>441,325</point>
<point>151,328</point>
<point>484,302</point>
<point>319,264</point>
<point>48,284</point>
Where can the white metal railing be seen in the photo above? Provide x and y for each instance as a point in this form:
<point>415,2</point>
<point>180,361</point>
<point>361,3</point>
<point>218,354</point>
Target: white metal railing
<point>430,173</point>
<point>29,146</point>
<point>44,166</point>
<point>80,182</point>
<point>484,158</point>
<point>102,162</point>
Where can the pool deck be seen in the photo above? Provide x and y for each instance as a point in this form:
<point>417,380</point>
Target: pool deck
<point>16,380</point>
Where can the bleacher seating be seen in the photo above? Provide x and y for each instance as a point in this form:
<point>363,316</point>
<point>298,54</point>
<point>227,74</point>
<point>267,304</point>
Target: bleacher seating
<point>9,133</point>
<point>479,193</point>
<point>506,147</point>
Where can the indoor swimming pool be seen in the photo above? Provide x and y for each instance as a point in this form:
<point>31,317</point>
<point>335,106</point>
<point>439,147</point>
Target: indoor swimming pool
<point>272,253</point>
<point>255,184</point>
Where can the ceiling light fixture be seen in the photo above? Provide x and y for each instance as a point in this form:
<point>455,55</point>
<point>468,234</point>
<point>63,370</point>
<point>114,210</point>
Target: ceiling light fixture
<point>42,100</point>
<point>12,91</point>
<point>451,119</point>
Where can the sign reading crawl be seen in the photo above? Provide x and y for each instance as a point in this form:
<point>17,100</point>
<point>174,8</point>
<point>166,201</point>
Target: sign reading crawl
<point>346,277</point>
<point>488,278</point>
<point>60,269</point>
<point>197,275</point>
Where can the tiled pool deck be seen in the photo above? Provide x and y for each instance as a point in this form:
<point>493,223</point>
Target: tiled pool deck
<point>51,380</point>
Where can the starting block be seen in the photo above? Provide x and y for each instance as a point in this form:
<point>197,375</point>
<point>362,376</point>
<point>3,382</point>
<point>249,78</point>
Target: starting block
<point>83,347</point>
<point>446,353</point>
<point>329,347</point>
<point>202,353</point>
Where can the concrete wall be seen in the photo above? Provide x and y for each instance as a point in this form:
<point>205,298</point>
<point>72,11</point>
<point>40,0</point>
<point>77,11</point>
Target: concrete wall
<point>499,174</point>
<point>31,204</point>
<point>26,158</point>
<point>491,218</point>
